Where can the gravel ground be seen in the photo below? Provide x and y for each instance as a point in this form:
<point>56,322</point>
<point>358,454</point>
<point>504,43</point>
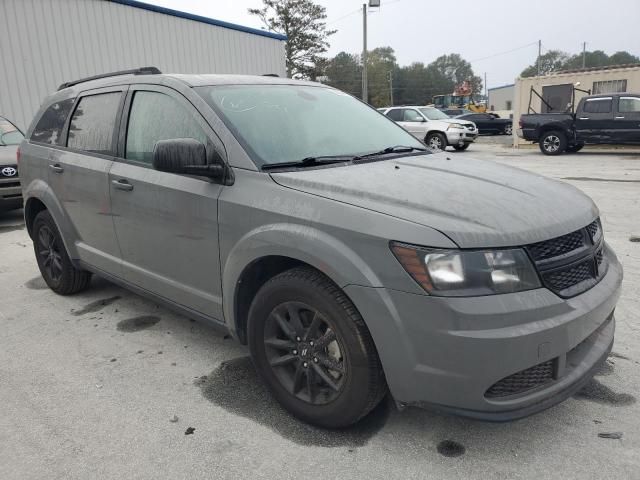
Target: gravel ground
<point>106,384</point>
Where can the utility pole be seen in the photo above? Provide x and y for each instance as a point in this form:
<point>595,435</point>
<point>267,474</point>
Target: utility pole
<point>486,91</point>
<point>539,55</point>
<point>365,83</point>
<point>391,87</point>
<point>584,54</point>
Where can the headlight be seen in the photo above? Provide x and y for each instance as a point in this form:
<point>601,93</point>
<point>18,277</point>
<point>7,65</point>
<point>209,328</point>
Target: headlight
<point>462,273</point>
<point>455,126</point>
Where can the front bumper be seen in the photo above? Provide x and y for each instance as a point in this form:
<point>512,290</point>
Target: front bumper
<point>446,353</point>
<point>460,137</point>
<point>10,195</point>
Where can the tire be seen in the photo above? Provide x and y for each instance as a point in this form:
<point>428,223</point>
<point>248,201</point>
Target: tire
<point>508,129</point>
<point>461,148</point>
<point>436,141</point>
<point>53,261</point>
<point>574,148</point>
<point>553,142</point>
<point>289,355</point>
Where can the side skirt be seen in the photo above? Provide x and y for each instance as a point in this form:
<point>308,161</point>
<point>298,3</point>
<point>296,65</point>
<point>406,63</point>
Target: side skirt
<point>170,304</point>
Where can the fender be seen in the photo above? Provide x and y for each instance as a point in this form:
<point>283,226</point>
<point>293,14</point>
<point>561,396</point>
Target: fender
<point>299,242</point>
<point>39,189</point>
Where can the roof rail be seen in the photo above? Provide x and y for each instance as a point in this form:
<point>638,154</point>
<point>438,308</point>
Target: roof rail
<point>135,71</point>
<point>270,75</point>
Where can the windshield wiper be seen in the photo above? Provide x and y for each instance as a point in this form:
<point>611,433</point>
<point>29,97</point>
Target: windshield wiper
<point>309,162</point>
<point>396,149</point>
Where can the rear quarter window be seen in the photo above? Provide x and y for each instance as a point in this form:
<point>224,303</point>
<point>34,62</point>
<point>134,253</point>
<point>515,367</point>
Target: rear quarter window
<point>51,124</point>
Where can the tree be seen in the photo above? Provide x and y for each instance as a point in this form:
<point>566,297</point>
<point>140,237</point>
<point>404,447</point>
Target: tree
<point>555,61</point>
<point>456,70</point>
<point>345,73</point>
<point>381,62</point>
<point>302,21</point>
<point>550,62</point>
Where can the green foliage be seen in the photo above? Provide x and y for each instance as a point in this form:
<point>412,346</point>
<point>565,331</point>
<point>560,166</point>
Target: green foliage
<point>414,84</point>
<point>555,61</point>
<point>303,22</point>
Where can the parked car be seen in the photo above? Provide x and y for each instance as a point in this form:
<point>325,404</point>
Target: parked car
<point>10,191</point>
<point>454,112</point>
<point>490,123</point>
<point>352,261</point>
<point>610,119</point>
<point>434,127</point>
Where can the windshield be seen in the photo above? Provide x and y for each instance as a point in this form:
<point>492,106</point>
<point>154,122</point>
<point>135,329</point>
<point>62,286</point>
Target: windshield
<point>434,114</point>
<point>9,133</point>
<point>287,123</point>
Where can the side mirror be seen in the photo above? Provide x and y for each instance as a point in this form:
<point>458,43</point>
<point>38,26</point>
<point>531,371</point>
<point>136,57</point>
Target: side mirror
<point>184,156</point>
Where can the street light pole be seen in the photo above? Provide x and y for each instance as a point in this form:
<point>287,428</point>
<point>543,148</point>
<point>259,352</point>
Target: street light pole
<point>365,83</point>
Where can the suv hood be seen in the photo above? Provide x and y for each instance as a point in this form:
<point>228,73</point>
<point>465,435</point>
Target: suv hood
<point>476,203</point>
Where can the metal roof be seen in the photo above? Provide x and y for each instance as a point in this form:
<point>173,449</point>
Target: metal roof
<point>502,86</point>
<point>198,18</point>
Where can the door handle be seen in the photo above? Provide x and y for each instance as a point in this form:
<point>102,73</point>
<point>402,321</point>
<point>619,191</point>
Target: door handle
<point>122,185</point>
<point>619,118</point>
<point>56,168</point>
<point>583,118</point>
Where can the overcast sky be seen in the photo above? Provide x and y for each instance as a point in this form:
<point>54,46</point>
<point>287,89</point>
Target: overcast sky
<point>421,30</point>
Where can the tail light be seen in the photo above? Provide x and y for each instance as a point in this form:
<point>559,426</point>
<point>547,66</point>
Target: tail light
<point>520,123</point>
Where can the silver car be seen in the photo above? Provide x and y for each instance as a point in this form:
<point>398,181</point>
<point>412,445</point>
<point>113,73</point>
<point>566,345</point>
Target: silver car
<point>435,128</point>
<point>353,263</point>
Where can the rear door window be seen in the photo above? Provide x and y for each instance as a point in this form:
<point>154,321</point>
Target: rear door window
<point>629,105</point>
<point>155,116</point>
<point>598,105</point>
<point>93,123</point>
<point>411,115</point>
<point>396,114</point>
<point>51,124</point>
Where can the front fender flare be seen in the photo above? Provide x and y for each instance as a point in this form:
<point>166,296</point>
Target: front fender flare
<point>306,244</point>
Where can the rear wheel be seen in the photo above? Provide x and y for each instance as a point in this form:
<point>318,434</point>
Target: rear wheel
<point>53,261</point>
<point>508,129</point>
<point>436,141</point>
<point>553,142</point>
<point>311,347</point>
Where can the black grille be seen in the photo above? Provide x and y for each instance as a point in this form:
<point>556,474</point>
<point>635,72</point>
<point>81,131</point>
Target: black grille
<point>557,246</point>
<point>522,381</point>
<point>572,263</point>
<point>568,277</point>
<point>594,231</point>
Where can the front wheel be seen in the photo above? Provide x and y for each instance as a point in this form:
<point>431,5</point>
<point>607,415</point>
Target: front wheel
<point>436,141</point>
<point>462,147</point>
<point>312,348</point>
<point>552,143</point>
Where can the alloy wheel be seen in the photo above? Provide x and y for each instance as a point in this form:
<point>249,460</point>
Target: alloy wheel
<point>508,130</point>
<point>49,252</point>
<point>304,353</point>
<point>435,143</point>
<point>551,143</point>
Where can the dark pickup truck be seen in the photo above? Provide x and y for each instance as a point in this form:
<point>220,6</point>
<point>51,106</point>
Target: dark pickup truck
<point>599,120</point>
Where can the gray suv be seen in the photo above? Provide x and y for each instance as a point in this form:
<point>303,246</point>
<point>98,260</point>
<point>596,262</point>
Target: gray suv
<point>323,235</point>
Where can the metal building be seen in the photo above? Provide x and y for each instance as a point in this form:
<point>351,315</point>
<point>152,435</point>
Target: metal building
<point>47,42</point>
<point>501,98</point>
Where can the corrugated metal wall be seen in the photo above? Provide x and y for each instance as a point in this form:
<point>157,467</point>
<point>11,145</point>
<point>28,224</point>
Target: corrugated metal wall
<point>46,42</point>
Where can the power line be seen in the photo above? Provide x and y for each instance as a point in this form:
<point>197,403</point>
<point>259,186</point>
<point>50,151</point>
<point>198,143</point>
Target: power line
<point>503,53</point>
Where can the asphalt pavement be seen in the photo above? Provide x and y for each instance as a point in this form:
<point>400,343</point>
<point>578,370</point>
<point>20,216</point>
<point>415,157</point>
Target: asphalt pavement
<point>106,385</point>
